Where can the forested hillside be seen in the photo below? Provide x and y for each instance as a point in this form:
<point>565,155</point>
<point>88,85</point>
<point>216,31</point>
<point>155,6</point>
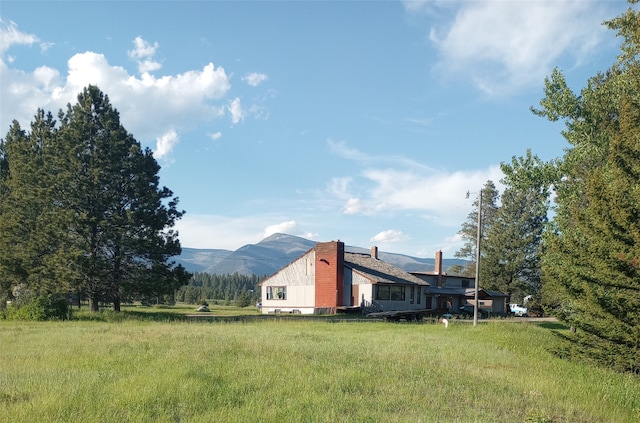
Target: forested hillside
<point>238,289</point>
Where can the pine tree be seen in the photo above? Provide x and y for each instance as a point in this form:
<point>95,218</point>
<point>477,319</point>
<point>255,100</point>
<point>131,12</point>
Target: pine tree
<point>81,209</point>
<point>123,217</point>
<point>33,244</point>
<point>469,230</point>
<point>512,248</point>
<point>593,252</point>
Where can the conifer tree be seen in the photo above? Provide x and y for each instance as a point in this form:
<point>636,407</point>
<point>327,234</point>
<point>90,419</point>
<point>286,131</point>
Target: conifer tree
<point>81,209</point>
<point>469,230</point>
<point>513,245</point>
<point>32,246</point>
<point>593,252</point>
<point>124,218</point>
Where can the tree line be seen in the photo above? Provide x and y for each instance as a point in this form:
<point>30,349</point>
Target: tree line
<point>238,289</point>
<point>583,264</point>
<point>82,210</point>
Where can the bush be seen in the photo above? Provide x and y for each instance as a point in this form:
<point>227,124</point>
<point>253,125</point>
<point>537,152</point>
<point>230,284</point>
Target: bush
<point>43,307</point>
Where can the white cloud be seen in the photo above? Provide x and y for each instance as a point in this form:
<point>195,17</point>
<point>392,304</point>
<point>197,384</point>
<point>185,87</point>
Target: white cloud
<point>150,107</point>
<point>290,227</point>
<point>255,79</point>
<point>393,190</point>
<point>142,49</point>
<point>212,231</point>
<point>341,149</point>
<point>353,206</point>
<point>10,35</point>
<point>143,53</point>
<point>395,187</point>
<point>45,46</point>
<point>503,46</point>
<point>339,187</point>
<point>235,109</point>
<point>165,144</point>
<point>389,236</point>
<point>216,136</point>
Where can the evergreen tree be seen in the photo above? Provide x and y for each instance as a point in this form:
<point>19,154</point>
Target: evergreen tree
<point>244,299</point>
<point>123,217</point>
<point>593,252</point>
<point>81,209</point>
<point>512,248</point>
<point>33,244</point>
<point>469,230</point>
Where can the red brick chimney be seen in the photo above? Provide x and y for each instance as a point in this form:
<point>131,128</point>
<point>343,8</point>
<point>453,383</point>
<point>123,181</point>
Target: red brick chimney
<point>374,252</point>
<point>329,274</point>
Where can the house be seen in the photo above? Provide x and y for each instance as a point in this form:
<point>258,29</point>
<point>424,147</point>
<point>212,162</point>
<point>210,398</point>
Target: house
<point>455,294</point>
<point>327,279</point>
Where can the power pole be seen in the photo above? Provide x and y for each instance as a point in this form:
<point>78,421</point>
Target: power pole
<point>477,279</point>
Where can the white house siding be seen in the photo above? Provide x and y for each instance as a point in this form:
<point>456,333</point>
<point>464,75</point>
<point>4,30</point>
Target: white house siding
<point>365,288</point>
<point>299,278</point>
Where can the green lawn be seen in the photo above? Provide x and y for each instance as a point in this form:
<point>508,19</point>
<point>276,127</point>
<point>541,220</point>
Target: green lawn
<point>286,370</point>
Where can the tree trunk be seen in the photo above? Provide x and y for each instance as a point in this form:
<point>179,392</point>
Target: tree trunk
<point>93,304</point>
<point>116,303</point>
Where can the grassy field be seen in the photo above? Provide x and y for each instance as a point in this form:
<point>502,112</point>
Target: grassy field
<point>285,370</point>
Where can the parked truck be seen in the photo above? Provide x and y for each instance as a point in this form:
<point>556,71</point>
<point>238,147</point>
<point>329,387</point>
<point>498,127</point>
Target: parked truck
<point>518,310</point>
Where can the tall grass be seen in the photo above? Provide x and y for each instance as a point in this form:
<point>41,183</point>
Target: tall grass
<point>300,371</point>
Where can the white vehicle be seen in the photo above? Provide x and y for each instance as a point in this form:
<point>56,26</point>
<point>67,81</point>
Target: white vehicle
<point>518,310</point>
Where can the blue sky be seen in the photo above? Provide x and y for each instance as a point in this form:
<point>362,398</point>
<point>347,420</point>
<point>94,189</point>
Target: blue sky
<point>363,121</point>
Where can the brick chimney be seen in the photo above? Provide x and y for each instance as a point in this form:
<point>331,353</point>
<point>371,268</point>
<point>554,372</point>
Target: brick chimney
<point>438,267</point>
<point>374,252</point>
<point>329,274</point>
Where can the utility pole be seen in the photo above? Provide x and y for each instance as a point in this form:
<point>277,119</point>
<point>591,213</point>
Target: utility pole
<point>477,279</point>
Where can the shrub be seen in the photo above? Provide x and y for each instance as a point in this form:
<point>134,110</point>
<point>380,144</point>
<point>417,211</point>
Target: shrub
<point>43,307</point>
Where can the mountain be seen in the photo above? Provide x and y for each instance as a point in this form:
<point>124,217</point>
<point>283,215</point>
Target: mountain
<point>273,253</point>
<point>263,258</point>
<point>197,260</point>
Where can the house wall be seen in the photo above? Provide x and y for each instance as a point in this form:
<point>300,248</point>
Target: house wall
<point>458,282</point>
<point>363,285</point>
<point>495,305</point>
<point>389,305</point>
<point>298,277</point>
<point>446,281</point>
<point>498,305</point>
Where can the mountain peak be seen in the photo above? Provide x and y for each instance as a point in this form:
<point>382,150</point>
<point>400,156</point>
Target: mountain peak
<point>276,251</point>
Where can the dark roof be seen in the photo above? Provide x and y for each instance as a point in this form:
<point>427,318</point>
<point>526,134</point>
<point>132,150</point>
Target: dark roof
<point>494,293</point>
<point>378,271</point>
<point>468,292</point>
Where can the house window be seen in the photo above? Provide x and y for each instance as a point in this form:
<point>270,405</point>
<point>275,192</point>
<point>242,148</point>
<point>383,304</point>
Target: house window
<point>419,294</point>
<point>276,293</point>
<point>465,283</point>
<point>412,294</point>
<point>383,292</point>
<point>397,293</point>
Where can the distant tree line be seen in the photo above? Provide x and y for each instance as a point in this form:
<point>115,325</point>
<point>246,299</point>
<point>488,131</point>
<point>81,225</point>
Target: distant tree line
<point>583,265</point>
<point>237,289</point>
<point>82,211</point>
